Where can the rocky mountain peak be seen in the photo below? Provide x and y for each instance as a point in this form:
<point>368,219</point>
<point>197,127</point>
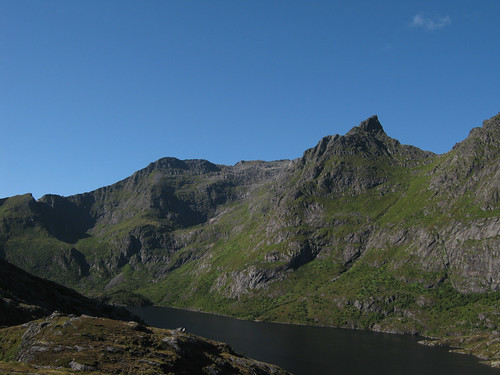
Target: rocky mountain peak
<point>370,125</point>
<point>367,139</point>
<point>493,122</point>
<point>487,134</point>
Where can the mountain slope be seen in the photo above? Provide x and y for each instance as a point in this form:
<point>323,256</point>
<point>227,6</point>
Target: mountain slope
<point>361,231</point>
<point>24,297</point>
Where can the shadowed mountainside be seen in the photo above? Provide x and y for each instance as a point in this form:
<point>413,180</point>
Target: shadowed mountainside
<point>24,297</point>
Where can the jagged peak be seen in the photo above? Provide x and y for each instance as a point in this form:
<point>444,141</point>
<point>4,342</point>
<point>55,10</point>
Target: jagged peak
<point>370,125</point>
<point>486,134</point>
<point>368,139</point>
<point>492,122</point>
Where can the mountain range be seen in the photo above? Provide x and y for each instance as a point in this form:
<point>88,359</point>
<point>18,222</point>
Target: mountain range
<point>361,232</point>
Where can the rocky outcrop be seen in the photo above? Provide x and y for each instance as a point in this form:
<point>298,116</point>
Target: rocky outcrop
<point>473,255</point>
<point>83,343</point>
<point>247,280</point>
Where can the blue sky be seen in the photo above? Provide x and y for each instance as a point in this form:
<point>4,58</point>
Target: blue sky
<point>91,91</point>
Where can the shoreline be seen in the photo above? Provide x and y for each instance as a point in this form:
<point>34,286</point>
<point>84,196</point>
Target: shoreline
<point>449,343</point>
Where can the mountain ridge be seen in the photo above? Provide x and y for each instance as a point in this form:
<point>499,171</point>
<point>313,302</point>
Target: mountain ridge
<point>361,231</point>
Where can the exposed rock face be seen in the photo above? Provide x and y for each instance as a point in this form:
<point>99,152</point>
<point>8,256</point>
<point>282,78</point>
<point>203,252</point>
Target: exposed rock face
<point>247,280</point>
<point>372,125</point>
<point>472,166</point>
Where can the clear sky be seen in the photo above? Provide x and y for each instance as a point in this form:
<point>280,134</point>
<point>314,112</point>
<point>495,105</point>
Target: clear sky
<point>91,91</point>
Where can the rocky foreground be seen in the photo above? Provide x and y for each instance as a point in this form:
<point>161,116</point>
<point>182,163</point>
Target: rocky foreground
<point>65,344</point>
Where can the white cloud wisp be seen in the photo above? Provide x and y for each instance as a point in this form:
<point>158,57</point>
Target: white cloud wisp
<point>428,23</point>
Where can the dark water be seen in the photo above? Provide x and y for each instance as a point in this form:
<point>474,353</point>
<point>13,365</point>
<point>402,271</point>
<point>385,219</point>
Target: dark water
<point>318,350</point>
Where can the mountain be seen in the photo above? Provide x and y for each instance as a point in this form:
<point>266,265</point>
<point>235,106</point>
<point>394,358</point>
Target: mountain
<point>360,232</point>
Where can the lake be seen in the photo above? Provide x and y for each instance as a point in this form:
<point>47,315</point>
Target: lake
<point>305,350</point>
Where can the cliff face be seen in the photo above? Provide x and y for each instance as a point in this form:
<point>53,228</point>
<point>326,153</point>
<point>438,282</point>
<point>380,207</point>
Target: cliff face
<point>360,231</point>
